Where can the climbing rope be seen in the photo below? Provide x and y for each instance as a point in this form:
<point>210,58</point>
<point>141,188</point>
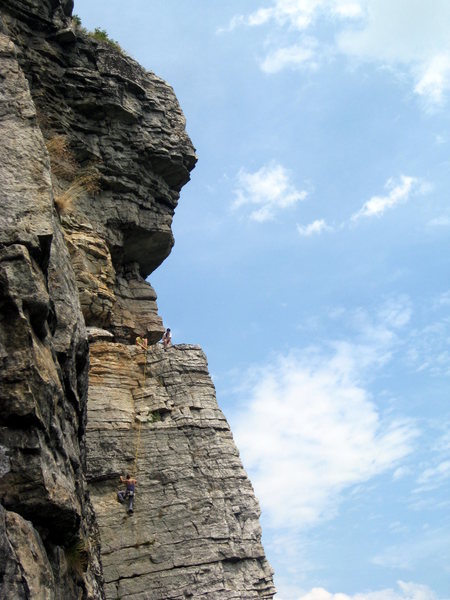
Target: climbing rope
<point>138,444</point>
<point>142,343</point>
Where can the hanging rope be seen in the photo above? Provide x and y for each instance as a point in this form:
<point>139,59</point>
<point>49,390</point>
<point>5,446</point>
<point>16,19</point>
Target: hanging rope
<point>142,343</point>
<point>138,444</point>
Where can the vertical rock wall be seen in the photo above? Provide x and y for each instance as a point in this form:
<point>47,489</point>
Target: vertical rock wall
<point>43,382</point>
<point>195,531</point>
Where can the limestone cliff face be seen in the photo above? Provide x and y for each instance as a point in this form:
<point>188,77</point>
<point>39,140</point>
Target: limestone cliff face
<point>45,514</point>
<point>195,530</point>
<point>86,130</point>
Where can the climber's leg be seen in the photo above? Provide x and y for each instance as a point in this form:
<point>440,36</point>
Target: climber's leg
<point>130,503</point>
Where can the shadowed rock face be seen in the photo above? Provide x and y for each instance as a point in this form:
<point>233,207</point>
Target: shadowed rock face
<point>126,124</point>
<point>195,531</point>
<point>44,368</point>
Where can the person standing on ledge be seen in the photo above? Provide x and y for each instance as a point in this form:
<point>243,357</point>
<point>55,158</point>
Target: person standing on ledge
<point>167,339</point>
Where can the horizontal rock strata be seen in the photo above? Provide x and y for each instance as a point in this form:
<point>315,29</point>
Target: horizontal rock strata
<point>123,125</point>
<point>44,367</point>
<point>93,157</point>
<point>195,530</point>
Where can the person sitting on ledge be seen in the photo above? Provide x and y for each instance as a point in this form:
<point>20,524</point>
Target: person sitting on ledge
<point>142,342</point>
<point>128,492</point>
<point>167,339</point>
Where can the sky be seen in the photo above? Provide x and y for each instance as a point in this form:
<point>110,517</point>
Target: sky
<point>311,263</point>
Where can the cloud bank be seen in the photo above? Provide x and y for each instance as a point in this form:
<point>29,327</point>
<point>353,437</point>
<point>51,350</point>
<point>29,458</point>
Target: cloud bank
<point>410,36</point>
<point>311,429</point>
<point>406,591</point>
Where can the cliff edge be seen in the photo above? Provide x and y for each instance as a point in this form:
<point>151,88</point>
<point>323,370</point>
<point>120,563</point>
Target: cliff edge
<point>94,154</point>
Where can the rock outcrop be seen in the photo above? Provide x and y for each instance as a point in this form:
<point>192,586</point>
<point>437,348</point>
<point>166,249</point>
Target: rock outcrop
<point>195,530</point>
<point>93,159</point>
<point>44,371</point>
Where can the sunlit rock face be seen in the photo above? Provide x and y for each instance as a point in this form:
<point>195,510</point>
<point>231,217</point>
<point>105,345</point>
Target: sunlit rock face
<point>195,531</point>
<point>93,157</point>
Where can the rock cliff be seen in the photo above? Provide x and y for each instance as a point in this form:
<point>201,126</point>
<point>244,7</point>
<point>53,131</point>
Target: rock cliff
<point>94,154</point>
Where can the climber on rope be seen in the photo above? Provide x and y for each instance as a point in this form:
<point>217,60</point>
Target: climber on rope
<point>167,339</point>
<point>128,492</point>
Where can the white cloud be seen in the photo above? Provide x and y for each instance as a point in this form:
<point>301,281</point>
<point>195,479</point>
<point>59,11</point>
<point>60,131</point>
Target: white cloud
<point>310,430</point>
<point>442,444</point>
<point>401,472</point>
<point>269,189</point>
<point>428,346</point>
<point>406,591</point>
<point>378,333</point>
<point>434,79</point>
<point>297,55</point>
<point>434,477</point>
<point>443,299</point>
<point>399,192</point>
<point>296,15</point>
<point>315,227</point>
<point>439,222</point>
<point>347,9</point>
<point>409,35</point>
<point>436,471</point>
<point>428,547</point>
<point>396,312</point>
<point>394,31</point>
<point>300,14</point>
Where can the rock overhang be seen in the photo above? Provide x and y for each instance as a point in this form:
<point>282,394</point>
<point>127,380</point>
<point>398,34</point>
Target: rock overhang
<point>88,267</point>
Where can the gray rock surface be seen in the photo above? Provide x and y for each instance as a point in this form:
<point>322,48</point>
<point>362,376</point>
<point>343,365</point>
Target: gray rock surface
<point>26,570</point>
<point>44,358</point>
<point>195,531</point>
<point>85,130</point>
<point>126,125</point>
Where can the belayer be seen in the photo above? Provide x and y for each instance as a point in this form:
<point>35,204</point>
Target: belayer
<point>167,339</point>
<point>128,492</point>
<point>142,342</point>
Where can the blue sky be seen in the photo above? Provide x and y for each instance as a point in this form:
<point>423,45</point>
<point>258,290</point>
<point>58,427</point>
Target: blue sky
<point>311,263</point>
